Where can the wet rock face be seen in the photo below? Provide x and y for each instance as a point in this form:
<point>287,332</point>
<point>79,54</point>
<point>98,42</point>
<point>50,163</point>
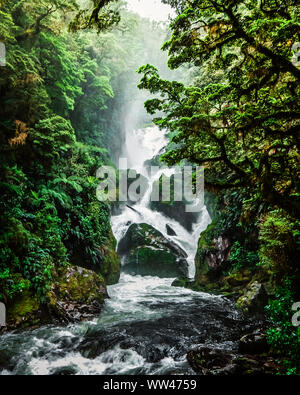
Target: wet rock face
<point>254,299</point>
<point>172,208</point>
<point>146,251</point>
<point>220,254</point>
<point>76,312</point>
<point>170,231</point>
<point>176,211</point>
<point>212,260</point>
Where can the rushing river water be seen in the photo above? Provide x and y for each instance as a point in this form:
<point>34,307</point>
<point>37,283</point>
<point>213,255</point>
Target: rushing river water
<point>147,326</point>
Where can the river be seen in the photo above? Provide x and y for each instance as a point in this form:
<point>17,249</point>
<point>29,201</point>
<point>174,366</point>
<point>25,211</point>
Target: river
<point>147,326</point>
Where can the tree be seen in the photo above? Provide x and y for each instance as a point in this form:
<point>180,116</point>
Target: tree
<point>49,211</point>
<point>100,16</point>
<point>241,118</point>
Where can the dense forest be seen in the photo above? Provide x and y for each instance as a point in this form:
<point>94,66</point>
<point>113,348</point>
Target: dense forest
<point>240,119</point>
<point>61,119</point>
<point>66,97</point>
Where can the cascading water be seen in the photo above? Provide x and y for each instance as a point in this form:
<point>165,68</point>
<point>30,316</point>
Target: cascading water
<point>147,326</point>
<point>140,146</point>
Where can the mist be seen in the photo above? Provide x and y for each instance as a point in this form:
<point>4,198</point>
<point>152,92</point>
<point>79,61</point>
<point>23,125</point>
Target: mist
<point>146,36</point>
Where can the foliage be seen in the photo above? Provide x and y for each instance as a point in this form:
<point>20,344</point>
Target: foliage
<point>279,242</point>
<point>283,337</point>
<point>240,118</point>
<point>101,15</point>
<point>65,91</point>
<point>241,257</point>
<point>49,211</point>
<point>228,212</point>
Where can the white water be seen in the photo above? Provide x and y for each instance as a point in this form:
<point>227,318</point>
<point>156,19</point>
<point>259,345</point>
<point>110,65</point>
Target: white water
<point>142,145</point>
<point>147,301</point>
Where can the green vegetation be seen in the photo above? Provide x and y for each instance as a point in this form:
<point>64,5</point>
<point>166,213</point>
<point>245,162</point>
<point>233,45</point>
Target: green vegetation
<point>239,118</point>
<point>50,215</point>
<point>284,338</point>
<point>65,92</point>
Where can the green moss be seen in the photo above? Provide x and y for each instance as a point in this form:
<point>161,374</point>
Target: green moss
<point>149,255</point>
<point>111,265</point>
<point>23,311</point>
<point>152,261</point>
<point>80,285</point>
<point>236,278</point>
<point>279,243</point>
<point>254,299</point>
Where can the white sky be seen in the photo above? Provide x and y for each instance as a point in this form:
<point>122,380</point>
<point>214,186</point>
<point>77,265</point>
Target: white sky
<point>152,9</point>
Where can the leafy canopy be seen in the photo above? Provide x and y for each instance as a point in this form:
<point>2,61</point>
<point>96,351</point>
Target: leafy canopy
<point>240,118</point>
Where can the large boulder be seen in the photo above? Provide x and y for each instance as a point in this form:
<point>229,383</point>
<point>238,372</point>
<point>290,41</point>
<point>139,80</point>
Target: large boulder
<point>170,230</point>
<point>77,294</point>
<point>146,251</point>
<point>212,261</point>
<point>214,253</point>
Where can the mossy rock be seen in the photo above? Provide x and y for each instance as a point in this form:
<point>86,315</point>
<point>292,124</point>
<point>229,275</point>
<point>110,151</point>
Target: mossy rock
<point>76,294</point>
<point>140,235</point>
<point>107,263</point>
<point>254,299</point>
<point>150,261</point>
<point>147,251</point>
<point>110,268</point>
<point>205,241</point>
<point>238,278</point>
<point>24,311</point>
<point>78,284</point>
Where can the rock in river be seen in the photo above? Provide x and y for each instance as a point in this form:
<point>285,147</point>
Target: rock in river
<point>146,251</point>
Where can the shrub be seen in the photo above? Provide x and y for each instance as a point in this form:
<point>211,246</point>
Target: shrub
<point>279,237</point>
<point>283,337</point>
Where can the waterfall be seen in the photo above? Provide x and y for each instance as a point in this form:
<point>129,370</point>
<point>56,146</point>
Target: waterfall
<point>147,326</point>
<point>141,146</point>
